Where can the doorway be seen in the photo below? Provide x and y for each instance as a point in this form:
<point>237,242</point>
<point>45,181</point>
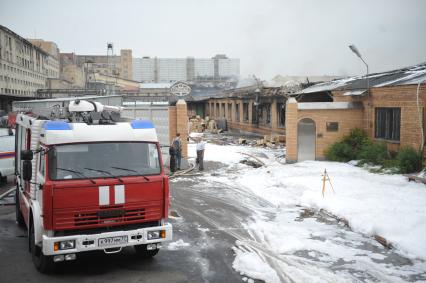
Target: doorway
<point>306,140</point>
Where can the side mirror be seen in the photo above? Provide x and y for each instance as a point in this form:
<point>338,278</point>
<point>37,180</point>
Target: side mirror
<point>26,154</point>
<point>27,170</point>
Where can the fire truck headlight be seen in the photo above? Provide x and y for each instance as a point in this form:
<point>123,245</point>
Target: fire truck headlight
<point>67,245</point>
<point>153,235</point>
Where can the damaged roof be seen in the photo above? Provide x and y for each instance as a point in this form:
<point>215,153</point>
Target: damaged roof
<point>357,85</point>
<point>250,92</point>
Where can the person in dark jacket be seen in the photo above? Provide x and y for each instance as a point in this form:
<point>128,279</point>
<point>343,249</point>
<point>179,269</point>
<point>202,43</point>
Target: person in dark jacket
<point>177,145</point>
<point>172,154</point>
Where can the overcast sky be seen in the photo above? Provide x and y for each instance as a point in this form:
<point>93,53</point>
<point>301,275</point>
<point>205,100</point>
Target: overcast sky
<point>288,37</point>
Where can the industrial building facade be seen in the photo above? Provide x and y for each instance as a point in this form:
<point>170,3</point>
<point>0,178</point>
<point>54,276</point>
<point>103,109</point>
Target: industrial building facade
<point>24,67</point>
<point>110,65</point>
<point>166,70</point>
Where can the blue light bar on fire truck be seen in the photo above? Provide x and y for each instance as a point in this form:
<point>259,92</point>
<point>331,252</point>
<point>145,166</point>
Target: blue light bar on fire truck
<point>56,126</point>
<point>142,124</point>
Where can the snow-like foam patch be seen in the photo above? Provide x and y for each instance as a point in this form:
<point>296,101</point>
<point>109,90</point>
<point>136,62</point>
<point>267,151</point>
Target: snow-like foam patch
<point>251,265</point>
<point>177,245</point>
<point>387,205</point>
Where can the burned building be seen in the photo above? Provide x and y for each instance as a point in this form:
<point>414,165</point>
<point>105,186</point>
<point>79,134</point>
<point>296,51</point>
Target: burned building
<point>257,109</point>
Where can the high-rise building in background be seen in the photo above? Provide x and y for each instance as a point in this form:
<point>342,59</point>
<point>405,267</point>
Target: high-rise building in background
<point>165,70</point>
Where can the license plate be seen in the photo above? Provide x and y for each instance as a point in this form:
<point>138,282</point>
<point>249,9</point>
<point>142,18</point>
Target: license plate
<point>112,241</point>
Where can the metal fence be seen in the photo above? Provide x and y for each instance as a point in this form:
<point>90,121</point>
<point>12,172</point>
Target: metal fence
<point>158,114</point>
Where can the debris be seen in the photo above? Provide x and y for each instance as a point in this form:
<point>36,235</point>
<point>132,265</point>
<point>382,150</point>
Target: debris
<point>197,124</point>
<point>173,213</point>
<point>212,127</point>
<point>254,157</point>
<point>383,241</point>
<point>251,163</point>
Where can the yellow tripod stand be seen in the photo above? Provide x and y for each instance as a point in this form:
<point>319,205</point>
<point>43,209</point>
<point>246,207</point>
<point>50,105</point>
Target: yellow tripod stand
<point>325,178</point>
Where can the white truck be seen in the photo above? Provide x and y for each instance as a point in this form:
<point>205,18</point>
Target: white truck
<point>7,154</point>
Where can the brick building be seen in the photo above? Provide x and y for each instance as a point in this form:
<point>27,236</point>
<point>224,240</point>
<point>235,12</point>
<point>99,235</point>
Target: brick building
<point>113,65</point>
<point>390,111</point>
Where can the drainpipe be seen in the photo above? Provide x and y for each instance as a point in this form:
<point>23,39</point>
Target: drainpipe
<point>420,118</point>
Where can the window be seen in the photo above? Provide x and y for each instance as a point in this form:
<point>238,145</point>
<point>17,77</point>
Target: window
<point>281,114</point>
<point>255,113</point>
<point>245,112</point>
<point>237,112</point>
<point>268,114</point>
<point>42,164</point>
<point>100,160</point>
<point>388,123</point>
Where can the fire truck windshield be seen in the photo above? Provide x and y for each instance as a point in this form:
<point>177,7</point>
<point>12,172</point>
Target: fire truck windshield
<point>102,160</point>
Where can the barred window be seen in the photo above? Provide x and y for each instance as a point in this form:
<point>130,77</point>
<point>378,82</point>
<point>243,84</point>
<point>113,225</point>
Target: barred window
<point>281,114</point>
<point>388,123</point>
<point>245,112</point>
<point>237,112</point>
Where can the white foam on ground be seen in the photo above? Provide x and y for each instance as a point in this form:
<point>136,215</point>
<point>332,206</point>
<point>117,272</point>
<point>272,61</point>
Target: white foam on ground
<point>177,245</point>
<point>387,205</point>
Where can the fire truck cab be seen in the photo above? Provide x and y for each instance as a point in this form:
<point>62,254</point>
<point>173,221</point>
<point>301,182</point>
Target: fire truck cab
<point>89,182</point>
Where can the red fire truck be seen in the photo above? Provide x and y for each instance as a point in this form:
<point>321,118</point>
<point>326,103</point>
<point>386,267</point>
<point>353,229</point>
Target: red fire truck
<point>89,181</point>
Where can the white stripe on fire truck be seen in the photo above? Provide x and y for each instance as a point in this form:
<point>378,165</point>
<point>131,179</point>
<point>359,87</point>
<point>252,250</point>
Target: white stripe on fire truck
<point>119,194</point>
<point>104,195</point>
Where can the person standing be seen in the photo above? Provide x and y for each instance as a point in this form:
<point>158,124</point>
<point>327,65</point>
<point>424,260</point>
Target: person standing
<point>172,154</point>
<point>177,145</point>
<point>201,145</point>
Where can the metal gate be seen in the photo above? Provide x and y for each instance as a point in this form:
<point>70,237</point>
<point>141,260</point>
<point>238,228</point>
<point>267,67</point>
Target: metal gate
<point>157,114</point>
<point>306,140</point>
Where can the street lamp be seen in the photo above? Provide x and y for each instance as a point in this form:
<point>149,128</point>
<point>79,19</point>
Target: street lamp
<point>356,51</point>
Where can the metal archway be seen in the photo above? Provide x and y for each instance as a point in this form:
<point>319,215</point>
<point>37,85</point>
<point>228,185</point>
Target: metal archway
<point>306,139</point>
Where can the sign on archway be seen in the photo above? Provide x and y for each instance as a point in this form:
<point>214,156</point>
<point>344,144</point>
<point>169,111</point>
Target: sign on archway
<point>180,89</point>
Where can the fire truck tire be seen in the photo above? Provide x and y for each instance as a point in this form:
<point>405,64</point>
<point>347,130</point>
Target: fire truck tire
<point>18,212</point>
<point>43,263</point>
<point>3,179</point>
<point>143,252</point>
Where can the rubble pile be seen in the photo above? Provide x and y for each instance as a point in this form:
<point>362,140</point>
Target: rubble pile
<point>212,126</point>
<point>197,124</point>
<point>267,141</point>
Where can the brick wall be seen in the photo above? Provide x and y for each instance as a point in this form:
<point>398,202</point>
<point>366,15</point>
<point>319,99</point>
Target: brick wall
<point>291,119</point>
<point>347,119</point>
<point>403,97</point>
<point>178,123</point>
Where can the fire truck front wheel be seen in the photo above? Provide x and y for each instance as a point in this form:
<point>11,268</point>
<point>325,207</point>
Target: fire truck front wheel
<point>19,217</point>
<point>43,263</point>
<point>144,252</point>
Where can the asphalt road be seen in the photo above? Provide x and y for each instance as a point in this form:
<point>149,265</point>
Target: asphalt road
<point>209,221</point>
<point>208,258</point>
